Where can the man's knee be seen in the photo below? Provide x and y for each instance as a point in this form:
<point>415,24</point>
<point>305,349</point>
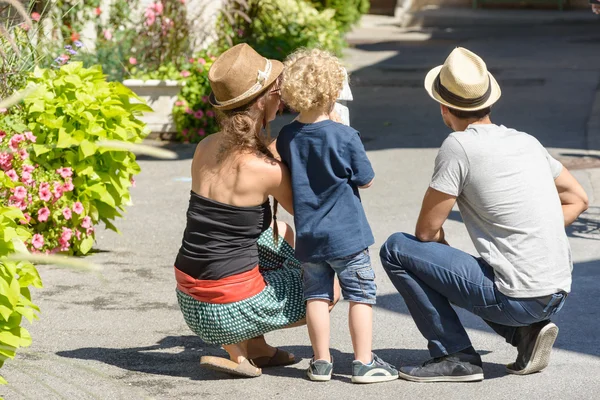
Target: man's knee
<point>390,250</point>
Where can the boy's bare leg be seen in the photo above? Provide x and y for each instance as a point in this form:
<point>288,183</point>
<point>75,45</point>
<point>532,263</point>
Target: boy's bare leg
<point>317,320</point>
<point>360,322</point>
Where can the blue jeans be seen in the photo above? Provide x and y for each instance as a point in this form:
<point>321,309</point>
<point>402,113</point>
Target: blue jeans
<point>430,276</point>
<point>356,276</point>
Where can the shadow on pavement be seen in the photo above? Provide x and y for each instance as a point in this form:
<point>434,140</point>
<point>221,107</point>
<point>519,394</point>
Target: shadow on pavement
<point>160,359</point>
<point>577,321</point>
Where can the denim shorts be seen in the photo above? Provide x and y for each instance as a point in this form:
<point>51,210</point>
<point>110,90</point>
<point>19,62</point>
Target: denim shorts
<point>356,276</point>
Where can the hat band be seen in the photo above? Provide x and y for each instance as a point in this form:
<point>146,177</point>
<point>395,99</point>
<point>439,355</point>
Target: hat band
<point>260,81</point>
<point>460,101</point>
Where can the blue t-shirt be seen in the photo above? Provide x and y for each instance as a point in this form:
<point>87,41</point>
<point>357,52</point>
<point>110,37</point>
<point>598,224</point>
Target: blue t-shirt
<point>328,163</point>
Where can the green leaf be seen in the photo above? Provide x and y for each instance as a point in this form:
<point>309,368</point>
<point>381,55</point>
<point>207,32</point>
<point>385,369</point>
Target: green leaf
<point>87,148</point>
<point>86,245</point>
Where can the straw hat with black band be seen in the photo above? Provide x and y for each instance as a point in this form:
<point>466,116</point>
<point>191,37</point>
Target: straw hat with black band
<point>463,82</point>
<point>239,76</point>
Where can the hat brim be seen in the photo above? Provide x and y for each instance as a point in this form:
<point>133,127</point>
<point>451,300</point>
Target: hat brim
<point>276,70</point>
<point>430,83</point>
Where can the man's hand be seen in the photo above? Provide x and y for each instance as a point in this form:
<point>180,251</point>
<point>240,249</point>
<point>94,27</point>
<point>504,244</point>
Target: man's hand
<point>442,237</point>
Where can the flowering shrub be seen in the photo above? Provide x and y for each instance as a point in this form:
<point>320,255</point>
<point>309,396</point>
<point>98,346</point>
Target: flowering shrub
<point>72,109</point>
<point>194,117</point>
<point>15,279</point>
<point>275,28</point>
<point>59,222</point>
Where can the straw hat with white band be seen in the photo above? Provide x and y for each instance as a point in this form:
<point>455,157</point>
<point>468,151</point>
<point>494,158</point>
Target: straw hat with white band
<point>240,75</point>
<point>463,82</point>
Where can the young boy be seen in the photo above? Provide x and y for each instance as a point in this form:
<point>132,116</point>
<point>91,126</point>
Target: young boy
<point>328,164</point>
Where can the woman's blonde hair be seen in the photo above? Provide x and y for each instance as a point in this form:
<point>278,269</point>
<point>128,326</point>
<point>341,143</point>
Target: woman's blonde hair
<point>312,80</point>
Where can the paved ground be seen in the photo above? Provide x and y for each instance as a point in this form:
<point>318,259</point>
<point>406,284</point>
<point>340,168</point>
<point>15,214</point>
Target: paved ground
<point>120,335</point>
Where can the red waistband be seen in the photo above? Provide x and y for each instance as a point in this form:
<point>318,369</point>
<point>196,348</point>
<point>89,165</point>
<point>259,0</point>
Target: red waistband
<point>227,290</point>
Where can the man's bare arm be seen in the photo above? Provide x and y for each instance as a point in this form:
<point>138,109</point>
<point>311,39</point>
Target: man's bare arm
<point>434,212</point>
<point>573,198</point>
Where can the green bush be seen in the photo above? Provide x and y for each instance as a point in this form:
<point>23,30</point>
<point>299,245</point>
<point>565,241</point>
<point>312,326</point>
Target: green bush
<point>347,12</point>
<point>59,222</point>
<point>70,111</point>
<point>275,28</point>
<point>15,279</point>
<point>194,117</point>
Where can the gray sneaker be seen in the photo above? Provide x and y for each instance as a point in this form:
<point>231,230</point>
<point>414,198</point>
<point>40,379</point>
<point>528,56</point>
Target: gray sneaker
<point>377,371</point>
<point>320,370</point>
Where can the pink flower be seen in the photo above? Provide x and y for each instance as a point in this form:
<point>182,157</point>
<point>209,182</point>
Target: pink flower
<point>132,60</point>
<point>201,132</point>
<point>26,220</point>
<point>2,135</point>
<point>14,142</point>
<point>210,114</point>
<point>77,234</point>
<point>35,16</point>
<point>180,103</point>
<point>12,175</point>
<point>189,111</point>
<point>37,241</point>
<point>30,136</point>
<point>98,11</point>
<point>67,213</point>
<point>44,186</point>
<point>6,161</point>
<point>182,1</point>
<point>150,16</point>
<point>107,34</point>
<point>26,178</point>
<point>24,26</point>
<point>89,231</point>
<point>57,190</point>
<point>65,172</point>
<point>28,168</point>
<point>68,186</point>
<point>23,154</point>
<point>185,132</point>
<point>67,233</point>
<point>132,181</point>
<point>202,61</point>
<point>158,7</point>
<point>87,222</point>
<point>199,114</point>
<point>45,194</point>
<point>185,73</point>
<point>78,208</point>
<point>43,214</point>
<point>20,192</point>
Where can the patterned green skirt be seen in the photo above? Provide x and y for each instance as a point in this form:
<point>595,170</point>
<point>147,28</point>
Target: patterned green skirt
<point>280,304</point>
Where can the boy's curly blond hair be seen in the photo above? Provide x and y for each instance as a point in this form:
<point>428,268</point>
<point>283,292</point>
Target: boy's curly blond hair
<point>312,80</point>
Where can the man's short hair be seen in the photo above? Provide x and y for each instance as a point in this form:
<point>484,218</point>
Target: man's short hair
<point>479,114</point>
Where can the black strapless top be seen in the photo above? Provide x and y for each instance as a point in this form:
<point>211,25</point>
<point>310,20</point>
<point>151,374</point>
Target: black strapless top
<point>220,240</point>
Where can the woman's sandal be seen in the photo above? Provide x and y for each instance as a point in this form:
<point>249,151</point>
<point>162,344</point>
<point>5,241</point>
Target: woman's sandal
<point>246,368</point>
<point>280,358</point>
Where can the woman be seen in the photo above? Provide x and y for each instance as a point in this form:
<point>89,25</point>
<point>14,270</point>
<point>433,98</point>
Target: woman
<point>225,297</point>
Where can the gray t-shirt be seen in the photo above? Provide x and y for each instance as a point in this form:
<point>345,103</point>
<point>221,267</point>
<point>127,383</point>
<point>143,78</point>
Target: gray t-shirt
<point>504,183</point>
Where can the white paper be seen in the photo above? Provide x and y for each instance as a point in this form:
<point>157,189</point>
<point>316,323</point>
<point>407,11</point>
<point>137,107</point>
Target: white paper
<point>343,112</point>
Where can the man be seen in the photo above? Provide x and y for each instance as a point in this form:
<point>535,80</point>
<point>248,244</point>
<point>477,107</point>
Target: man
<point>515,200</point>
